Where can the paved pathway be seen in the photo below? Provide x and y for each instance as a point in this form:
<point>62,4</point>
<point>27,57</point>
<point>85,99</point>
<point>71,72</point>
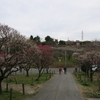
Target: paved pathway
<point>61,87</point>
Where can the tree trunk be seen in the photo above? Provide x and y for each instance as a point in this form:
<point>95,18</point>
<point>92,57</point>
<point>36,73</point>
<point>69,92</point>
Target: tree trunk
<point>99,83</point>
<point>0,87</point>
<point>39,75</point>
<point>87,73</point>
<point>47,70</point>
<point>91,75</point>
<point>85,78</point>
<point>27,73</point>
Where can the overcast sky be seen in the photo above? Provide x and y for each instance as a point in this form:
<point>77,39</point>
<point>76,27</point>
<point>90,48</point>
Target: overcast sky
<point>60,19</point>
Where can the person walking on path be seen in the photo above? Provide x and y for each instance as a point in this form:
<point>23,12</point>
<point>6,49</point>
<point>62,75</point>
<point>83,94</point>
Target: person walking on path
<point>60,70</point>
<point>65,69</point>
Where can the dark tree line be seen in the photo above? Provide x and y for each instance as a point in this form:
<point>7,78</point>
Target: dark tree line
<point>48,41</point>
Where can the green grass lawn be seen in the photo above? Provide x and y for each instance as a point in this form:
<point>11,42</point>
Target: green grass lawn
<point>16,96</point>
<point>23,79</point>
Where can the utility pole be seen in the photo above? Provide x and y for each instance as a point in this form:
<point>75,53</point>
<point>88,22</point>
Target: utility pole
<point>65,59</point>
<point>82,35</point>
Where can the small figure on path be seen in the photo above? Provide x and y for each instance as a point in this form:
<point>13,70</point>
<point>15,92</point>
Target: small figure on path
<point>65,70</point>
<point>60,70</point>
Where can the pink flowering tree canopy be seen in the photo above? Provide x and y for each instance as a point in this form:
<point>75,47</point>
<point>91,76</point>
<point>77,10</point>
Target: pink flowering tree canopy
<point>44,59</point>
<point>88,60</point>
<point>12,45</point>
<point>29,56</point>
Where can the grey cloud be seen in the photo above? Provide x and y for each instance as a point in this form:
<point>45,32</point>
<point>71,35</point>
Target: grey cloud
<point>66,18</point>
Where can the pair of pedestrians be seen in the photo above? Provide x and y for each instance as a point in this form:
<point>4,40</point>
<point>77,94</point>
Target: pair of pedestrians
<point>64,69</point>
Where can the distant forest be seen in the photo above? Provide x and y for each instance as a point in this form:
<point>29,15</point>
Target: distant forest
<point>54,42</point>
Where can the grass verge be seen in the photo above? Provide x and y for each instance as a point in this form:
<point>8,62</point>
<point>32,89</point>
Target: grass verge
<point>87,88</point>
<point>22,79</point>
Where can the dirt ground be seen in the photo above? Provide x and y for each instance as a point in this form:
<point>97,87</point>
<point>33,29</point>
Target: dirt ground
<point>29,89</point>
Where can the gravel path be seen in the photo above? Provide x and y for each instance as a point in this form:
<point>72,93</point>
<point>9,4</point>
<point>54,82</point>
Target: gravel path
<point>61,87</point>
